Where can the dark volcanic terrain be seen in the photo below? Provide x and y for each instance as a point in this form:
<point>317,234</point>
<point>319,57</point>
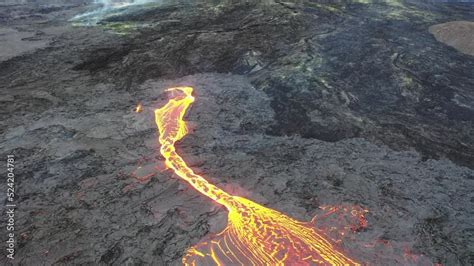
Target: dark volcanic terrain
<point>298,105</point>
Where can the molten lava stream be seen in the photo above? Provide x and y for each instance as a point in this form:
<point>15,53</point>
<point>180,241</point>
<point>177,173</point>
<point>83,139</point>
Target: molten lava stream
<point>255,235</point>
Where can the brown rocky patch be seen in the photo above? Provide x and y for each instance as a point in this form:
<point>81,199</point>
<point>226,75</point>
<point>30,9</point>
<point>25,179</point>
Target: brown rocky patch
<point>458,34</point>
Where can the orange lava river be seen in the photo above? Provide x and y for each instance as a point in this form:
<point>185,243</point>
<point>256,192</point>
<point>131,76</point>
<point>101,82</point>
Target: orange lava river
<point>255,235</point>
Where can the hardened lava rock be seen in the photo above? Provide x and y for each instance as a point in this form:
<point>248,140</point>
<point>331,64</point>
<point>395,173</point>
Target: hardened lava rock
<point>299,105</point>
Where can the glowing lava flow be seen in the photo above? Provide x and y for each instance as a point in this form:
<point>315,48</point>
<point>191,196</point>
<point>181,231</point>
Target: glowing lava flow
<point>255,235</point>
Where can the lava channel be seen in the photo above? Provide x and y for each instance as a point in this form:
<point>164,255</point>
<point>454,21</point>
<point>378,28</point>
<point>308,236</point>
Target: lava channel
<point>255,235</point>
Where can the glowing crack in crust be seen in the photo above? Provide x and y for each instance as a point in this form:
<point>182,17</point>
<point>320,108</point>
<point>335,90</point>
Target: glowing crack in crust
<point>255,235</point>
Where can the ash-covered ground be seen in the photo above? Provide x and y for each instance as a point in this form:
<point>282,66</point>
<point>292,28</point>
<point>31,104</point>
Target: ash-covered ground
<point>298,105</point>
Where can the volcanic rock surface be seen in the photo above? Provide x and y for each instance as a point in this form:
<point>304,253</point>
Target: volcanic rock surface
<point>298,105</point>
<point>458,34</point>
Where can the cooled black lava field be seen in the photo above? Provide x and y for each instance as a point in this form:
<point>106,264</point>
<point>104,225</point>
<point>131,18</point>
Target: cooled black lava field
<point>299,105</point>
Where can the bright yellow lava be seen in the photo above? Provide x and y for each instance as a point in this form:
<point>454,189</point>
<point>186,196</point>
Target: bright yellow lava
<point>255,235</point>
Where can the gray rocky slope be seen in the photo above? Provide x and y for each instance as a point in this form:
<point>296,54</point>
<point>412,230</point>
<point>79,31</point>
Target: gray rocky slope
<point>298,105</point>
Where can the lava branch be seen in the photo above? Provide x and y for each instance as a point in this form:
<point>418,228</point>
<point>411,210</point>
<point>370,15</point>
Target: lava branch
<point>255,235</point>
<point>172,127</point>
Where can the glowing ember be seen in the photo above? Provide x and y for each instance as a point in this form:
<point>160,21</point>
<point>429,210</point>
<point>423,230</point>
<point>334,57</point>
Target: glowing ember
<point>138,108</point>
<point>255,235</point>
